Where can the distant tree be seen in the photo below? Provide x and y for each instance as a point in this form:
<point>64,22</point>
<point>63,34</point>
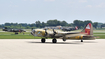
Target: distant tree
<point>20,25</point>
<point>50,23</point>
<point>56,22</point>
<point>43,24</point>
<point>69,25</point>
<point>78,23</point>
<point>28,27</point>
<point>95,24</point>
<point>53,22</point>
<point>38,23</point>
<point>32,25</point>
<point>63,23</point>
<point>7,24</point>
<point>87,21</point>
<point>0,26</point>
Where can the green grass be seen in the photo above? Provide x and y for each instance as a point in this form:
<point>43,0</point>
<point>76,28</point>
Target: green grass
<point>98,33</point>
<point>11,35</point>
<point>100,36</point>
<point>18,37</point>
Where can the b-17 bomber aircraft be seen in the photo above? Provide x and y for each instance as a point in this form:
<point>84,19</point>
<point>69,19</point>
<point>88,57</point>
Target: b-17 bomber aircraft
<point>13,30</point>
<point>85,34</point>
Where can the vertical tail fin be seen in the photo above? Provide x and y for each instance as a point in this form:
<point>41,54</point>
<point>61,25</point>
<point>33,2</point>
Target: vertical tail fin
<point>88,29</point>
<point>76,28</point>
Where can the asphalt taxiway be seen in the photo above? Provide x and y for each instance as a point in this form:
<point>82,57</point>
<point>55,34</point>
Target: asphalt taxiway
<point>34,49</point>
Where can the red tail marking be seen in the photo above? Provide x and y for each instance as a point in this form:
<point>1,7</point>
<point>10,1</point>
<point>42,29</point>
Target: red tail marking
<point>76,27</point>
<point>87,29</point>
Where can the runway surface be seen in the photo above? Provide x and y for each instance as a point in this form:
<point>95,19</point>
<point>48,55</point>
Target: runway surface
<point>33,49</point>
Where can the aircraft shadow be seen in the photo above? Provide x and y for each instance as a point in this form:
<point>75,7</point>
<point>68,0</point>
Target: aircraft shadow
<point>58,42</point>
<point>87,41</point>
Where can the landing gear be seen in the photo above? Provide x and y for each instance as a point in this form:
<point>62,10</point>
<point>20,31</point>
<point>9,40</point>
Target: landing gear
<point>16,33</point>
<point>43,40</point>
<point>54,41</point>
<point>81,40</point>
<point>64,39</point>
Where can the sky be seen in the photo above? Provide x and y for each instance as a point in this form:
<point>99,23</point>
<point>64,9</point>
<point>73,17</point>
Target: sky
<point>30,11</point>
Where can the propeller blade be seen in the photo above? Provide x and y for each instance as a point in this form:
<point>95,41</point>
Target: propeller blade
<point>54,33</point>
<point>46,32</point>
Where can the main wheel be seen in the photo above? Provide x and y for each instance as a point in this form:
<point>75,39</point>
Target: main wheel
<point>16,33</point>
<point>54,41</point>
<point>81,40</point>
<point>43,40</point>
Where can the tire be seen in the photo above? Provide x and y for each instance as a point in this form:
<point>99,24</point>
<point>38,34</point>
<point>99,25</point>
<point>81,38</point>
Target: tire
<point>82,40</point>
<point>43,40</point>
<point>64,39</point>
<point>16,33</point>
<point>54,41</point>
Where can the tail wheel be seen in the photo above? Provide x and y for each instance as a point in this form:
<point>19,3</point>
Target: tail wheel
<point>54,41</point>
<point>64,39</point>
<point>81,40</point>
<point>43,40</point>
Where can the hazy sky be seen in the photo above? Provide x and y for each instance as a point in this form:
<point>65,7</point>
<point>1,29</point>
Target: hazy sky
<point>29,11</point>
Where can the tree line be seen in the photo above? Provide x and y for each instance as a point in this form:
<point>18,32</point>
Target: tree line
<point>54,22</point>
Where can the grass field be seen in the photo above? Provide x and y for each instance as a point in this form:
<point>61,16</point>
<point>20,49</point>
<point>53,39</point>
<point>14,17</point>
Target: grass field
<point>11,35</point>
<point>27,35</point>
<point>18,37</point>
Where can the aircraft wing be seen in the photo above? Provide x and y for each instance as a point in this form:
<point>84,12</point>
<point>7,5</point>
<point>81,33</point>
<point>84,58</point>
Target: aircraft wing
<point>60,34</point>
<point>70,34</point>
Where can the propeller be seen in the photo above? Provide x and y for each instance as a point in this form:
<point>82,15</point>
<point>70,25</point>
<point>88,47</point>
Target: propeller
<point>46,32</point>
<point>33,32</point>
<point>54,33</point>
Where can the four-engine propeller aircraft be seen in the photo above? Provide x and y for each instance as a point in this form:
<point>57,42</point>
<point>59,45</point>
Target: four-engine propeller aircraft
<point>13,30</point>
<point>85,34</point>
<point>70,29</point>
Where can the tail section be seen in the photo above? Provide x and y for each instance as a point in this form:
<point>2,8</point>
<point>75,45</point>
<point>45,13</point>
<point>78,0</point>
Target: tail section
<point>88,29</point>
<point>76,28</point>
